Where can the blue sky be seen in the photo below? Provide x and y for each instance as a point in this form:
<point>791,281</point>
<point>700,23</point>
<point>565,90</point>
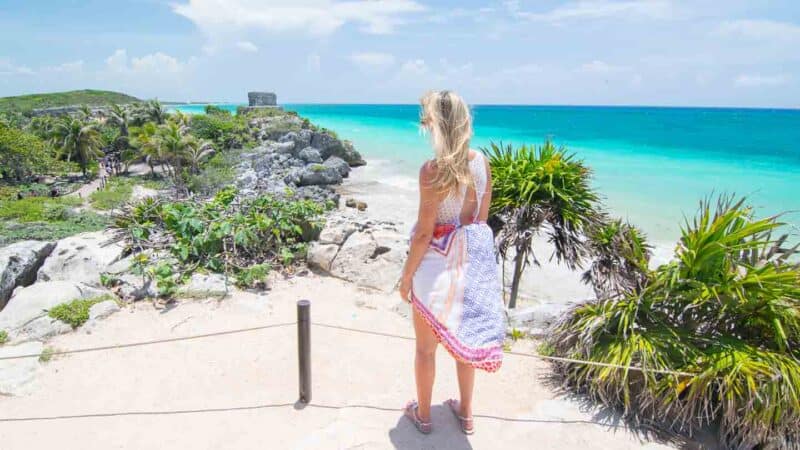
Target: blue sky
<point>614,52</point>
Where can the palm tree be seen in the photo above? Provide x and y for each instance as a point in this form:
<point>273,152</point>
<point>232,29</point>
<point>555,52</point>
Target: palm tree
<point>178,147</point>
<point>620,258</point>
<point>148,141</point>
<point>120,116</point>
<point>196,152</point>
<point>539,190</point>
<point>724,314</point>
<point>155,111</point>
<point>78,139</point>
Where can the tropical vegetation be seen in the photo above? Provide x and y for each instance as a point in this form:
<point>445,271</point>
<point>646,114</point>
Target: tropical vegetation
<point>716,330</point>
<point>539,190</point>
<point>25,103</point>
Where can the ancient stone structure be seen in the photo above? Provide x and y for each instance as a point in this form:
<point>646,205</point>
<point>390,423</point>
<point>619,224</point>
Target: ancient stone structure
<point>262,99</point>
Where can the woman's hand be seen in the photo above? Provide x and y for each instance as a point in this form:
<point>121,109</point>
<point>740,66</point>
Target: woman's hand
<point>405,289</point>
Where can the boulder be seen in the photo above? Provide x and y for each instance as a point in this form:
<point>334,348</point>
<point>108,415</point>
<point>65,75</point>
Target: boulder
<point>319,174</point>
<point>372,259</point>
<point>19,263</point>
<point>310,155</point>
<point>40,329</point>
<point>537,318</point>
<point>301,139</point>
<point>326,143</point>
<point>17,375</point>
<point>80,259</point>
<point>338,164</point>
<point>287,147</point>
<point>32,302</point>
<point>320,256</point>
<point>204,285</point>
<point>349,154</point>
<point>103,309</point>
<point>336,233</point>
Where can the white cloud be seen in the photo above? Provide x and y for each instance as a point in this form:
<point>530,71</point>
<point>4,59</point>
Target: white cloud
<point>602,9</point>
<point>313,17</point>
<point>247,46</point>
<point>9,68</point>
<point>372,60</point>
<point>67,67</point>
<point>758,80</point>
<point>760,30</point>
<point>313,62</point>
<point>157,62</point>
<point>601,67</point>
<point>414,68</point>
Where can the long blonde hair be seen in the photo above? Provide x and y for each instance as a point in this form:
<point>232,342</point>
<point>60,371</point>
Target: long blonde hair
<point>446,116</point>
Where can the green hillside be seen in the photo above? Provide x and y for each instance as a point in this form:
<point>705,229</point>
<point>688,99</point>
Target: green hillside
<point>90,97</point>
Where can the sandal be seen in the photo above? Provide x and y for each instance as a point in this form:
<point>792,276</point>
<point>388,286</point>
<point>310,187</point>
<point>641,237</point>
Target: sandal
<point>410,411</point>
<point>465,422</point>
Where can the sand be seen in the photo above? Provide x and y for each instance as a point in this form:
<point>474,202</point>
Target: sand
<point>239,391</point>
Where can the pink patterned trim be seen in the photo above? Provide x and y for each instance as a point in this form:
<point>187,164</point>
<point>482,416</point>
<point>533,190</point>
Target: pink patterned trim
<point>486,358</point>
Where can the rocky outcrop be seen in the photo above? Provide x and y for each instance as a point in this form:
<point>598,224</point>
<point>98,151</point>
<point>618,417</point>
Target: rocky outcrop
<point>80,258</point>
<point>204,285</point>
<point>19,263</point>
<point>32,302</point>
<point>366,252</point>
<point>534,320</point>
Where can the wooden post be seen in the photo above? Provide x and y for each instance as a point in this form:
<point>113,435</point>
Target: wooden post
<point>304,349</point>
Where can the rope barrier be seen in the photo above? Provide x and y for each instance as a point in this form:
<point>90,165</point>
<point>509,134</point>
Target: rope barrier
<point>343,328</point>
<point>152,342</point>
<point>527,355</point>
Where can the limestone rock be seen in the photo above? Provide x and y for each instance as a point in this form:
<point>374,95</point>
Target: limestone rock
<point>80,259</point>
<point>33,302</point>
<point>18,265</point>
<point>321,255</point>
<point>372,259</point>
<point>319,174</point>
<point>17,375</point>
<point>338,164</point>
<point>537,318</point>
<point>301,139</point>
<point>336,233</point>
<point>103,309</point>
<point>40,329</point>
<point>310,155</point>
<point>204,285</point>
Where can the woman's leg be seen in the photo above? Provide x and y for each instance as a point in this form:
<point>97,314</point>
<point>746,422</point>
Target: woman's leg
<point>424,365</point>
<point>466,382</point>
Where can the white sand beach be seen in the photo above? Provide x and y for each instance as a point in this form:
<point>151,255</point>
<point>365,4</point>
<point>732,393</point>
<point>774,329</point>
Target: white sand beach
<point>238,391</point>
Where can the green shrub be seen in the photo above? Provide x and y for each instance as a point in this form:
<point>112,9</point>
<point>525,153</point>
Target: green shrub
<point>217,173</point>
<point>76,312</point>
<point>3,337</point>
<point>214,109</point>
<point>116,193</point>
<point>47,354</point>
<point>22,154</point>
<point>241,239</point>
<point>225,131</point>
<point>725,313</point>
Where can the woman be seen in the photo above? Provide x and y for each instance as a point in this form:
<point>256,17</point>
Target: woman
<point>451,275</point>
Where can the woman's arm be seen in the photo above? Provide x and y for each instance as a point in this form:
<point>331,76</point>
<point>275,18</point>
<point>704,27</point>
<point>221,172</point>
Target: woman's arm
<point>423,233</point>
<point>486,201</point>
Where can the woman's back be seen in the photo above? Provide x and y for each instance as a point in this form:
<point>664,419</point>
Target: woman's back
<point>463,205</point>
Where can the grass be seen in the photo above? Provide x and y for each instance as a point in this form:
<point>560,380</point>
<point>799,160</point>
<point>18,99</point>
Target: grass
<point>11,232</point>
<point>47,354</point>
<point>3,337</point>
<point>117,192</point>
<point>37,209</point>
<point>24,103</point>
<point>76,312</point>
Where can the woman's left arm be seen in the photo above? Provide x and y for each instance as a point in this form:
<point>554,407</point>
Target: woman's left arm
<point>423,233</point>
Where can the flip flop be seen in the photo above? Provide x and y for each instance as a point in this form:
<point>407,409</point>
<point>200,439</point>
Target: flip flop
<point>410,411</point>
<point>463,421</point>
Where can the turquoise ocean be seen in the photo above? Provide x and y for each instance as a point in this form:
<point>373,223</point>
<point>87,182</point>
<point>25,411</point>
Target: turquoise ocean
<point>652,165</point>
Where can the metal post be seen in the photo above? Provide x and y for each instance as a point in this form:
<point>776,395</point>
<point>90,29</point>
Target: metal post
<point>304,349</point>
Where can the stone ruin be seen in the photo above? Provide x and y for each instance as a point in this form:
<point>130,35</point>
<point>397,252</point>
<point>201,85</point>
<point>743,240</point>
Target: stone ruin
<point>256,99</point>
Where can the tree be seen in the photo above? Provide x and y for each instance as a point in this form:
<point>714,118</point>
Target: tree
<point>21,154</point>
<point>148,141</point>
<point>120,116</point>
<point>77,139</point>
<point>539,190</point>
<point>156,112</point>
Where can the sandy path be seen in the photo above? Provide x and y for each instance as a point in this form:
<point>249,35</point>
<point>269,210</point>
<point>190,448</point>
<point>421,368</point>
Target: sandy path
<point>260,368</point>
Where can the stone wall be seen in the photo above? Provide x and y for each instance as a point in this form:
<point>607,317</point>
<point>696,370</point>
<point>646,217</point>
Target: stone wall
<point>262,99</point>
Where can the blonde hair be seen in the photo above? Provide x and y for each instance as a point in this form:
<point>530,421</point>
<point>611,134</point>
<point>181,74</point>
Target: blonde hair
<point>447,118</point>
